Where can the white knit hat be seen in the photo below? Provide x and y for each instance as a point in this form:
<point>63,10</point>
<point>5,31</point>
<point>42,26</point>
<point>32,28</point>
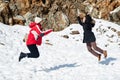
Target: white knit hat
<point>38,20</point>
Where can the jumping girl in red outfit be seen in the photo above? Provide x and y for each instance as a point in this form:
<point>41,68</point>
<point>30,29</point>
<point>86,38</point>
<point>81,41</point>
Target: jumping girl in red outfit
<point>34,38</point>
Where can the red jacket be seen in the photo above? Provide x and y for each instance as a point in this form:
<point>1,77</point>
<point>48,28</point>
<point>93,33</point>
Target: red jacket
<point>34,34</point>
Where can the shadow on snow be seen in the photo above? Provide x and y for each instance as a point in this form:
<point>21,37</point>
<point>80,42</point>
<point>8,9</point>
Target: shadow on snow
<point>59,67</point>
<point>107,61</point>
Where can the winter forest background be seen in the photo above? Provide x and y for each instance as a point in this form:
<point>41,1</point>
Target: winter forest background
<point>63,56</point>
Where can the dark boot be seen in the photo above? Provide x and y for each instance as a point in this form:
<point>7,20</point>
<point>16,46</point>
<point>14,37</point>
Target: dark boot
<point>22,55</point>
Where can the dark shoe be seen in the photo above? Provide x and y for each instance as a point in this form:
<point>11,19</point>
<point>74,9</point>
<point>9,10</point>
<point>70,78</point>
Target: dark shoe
<point>22,55</point>
<point>99,57</point>
<point>105,53</point>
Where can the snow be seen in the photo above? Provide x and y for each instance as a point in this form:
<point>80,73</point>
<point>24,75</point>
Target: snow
<point>60,58</point>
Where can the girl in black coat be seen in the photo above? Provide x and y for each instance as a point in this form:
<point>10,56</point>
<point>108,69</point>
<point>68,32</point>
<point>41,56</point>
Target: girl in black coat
<point>89,38</point>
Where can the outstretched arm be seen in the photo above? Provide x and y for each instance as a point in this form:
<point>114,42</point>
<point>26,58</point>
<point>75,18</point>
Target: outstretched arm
<point>44,33</point>
<point>78,18</point>
<point>48,31</point>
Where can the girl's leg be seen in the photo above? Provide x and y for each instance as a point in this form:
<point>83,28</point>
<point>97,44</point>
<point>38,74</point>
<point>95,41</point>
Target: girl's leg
<point>99,49</point>
<point>96,47</point>
<point>34,53</point>
<point>89,47</point>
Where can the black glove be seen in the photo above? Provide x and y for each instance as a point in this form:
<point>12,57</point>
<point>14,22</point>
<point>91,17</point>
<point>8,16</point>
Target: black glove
<point>42,34</point>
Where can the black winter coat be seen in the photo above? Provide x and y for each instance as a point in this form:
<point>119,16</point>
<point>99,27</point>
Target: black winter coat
<point>87,27</point>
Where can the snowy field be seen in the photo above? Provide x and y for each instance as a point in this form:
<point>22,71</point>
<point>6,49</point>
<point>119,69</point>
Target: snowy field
<point>60,58</point>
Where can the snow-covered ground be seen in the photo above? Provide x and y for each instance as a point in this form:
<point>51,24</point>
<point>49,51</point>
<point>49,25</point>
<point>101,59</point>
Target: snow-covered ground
<point>60,58</point>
